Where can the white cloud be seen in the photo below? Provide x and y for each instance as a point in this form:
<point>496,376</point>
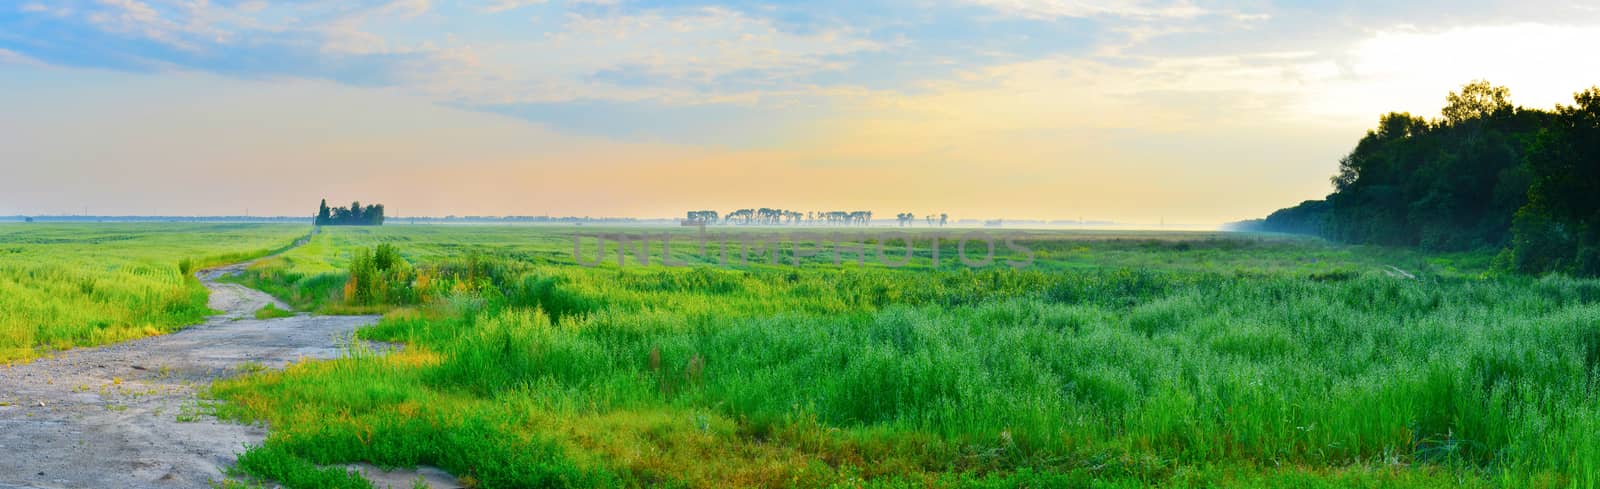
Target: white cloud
<point>1050,9</point>
<point>676,57</point>
<point>12,57</point>
<point>1408,69</point>
<point>504,5</point>
<point>671,55</point>
<point>713,54</point>
<point>704,44</point>
<point>133,17</point>
<point>1343,88</point>
<point>406,8</point>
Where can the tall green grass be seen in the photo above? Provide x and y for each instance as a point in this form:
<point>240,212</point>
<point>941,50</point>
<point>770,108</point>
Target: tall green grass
<point>1120,360</point>
<point>71,285</point>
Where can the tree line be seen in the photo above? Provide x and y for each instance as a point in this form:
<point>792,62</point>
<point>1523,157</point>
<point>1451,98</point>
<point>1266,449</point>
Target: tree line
<point>1487,175</point>
<point>355,215</point>
<point>773,216</point>
<point>908,218</point>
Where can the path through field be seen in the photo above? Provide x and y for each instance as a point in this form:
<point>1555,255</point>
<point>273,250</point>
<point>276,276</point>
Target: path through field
<point>125,415</point>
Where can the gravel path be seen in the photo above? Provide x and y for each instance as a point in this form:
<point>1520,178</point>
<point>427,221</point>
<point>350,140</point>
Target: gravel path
<point>125,415</point>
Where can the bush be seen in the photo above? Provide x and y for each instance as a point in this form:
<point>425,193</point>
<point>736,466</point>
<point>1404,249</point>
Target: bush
<point>379,276</point>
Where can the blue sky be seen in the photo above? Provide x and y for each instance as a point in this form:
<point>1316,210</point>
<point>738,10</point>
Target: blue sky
<point>1153,102</point>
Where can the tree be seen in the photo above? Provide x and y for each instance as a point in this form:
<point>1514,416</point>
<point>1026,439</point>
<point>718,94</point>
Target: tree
<point>1368,158</point>
<point>1476,100</point>
<point>905,218</point>
<point>323,214</point>
<point>1452,184</point>
<point>372,215</point>
<point>1487,176</point>
<point>355,215</point>
<point>1559,228</point>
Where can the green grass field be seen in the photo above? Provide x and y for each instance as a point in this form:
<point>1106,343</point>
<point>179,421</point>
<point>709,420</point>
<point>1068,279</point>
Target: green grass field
<point>1117,360</point>
<point>71,285</point>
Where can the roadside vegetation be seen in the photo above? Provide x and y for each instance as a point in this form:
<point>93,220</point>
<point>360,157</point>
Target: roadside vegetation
<point>73,285</point>
<point>271,311</point>
<point>1117,360</point>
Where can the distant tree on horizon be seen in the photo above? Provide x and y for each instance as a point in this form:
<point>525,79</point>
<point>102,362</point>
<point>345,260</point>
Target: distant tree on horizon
<point>355,215</point>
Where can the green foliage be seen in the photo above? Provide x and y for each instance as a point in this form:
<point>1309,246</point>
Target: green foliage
<point>1487,176</point>
<point>1561,224</point>
<point>1121,360</point>
<point>62,286</point>
<point>1449,185</point>
<point>379,276</point>
<point>1310,217</point>
<point>277,464</point>
<point>355,215</point>
<point>271,311</point>
<point>1476,100</point>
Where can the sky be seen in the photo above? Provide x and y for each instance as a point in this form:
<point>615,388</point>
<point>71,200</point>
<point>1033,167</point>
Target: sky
<point>1134,111</point>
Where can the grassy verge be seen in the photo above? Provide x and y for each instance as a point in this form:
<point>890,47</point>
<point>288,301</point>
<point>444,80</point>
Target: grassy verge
<point>72,285</point>
<point>271,311</point>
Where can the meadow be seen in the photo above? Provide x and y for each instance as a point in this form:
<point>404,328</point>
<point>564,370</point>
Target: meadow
<point>74,285</point>
<point>1118,359</point>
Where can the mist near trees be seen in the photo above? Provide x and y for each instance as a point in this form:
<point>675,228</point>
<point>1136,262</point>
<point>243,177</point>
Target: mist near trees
<point>1488,175</point>
<point>769,216</point>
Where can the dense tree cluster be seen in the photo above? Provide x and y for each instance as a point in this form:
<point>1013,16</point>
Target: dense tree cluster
<point>1489,175</point>
<point>355,215</point>
<point>703,216</point>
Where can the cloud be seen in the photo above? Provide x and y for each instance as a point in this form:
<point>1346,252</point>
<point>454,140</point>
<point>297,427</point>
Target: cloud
<point>12,57</point>
<point>706,45</point>
<point>1157,65</point>
<point>1051,9</point>
<point>136,18</point>
<point>406,8</point>
<point>1402,68</point>
<point>316,39</point>
<point>660,57</point>
<point>1406,68</point>
<point>36,7</point>
<point>592,51</point>
<point>504,5</point>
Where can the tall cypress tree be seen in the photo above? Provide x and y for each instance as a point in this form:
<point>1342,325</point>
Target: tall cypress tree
<point>322,213</point>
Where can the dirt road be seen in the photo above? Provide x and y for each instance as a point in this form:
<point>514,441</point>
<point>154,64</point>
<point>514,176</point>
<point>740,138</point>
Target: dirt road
<point>125,415</point>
